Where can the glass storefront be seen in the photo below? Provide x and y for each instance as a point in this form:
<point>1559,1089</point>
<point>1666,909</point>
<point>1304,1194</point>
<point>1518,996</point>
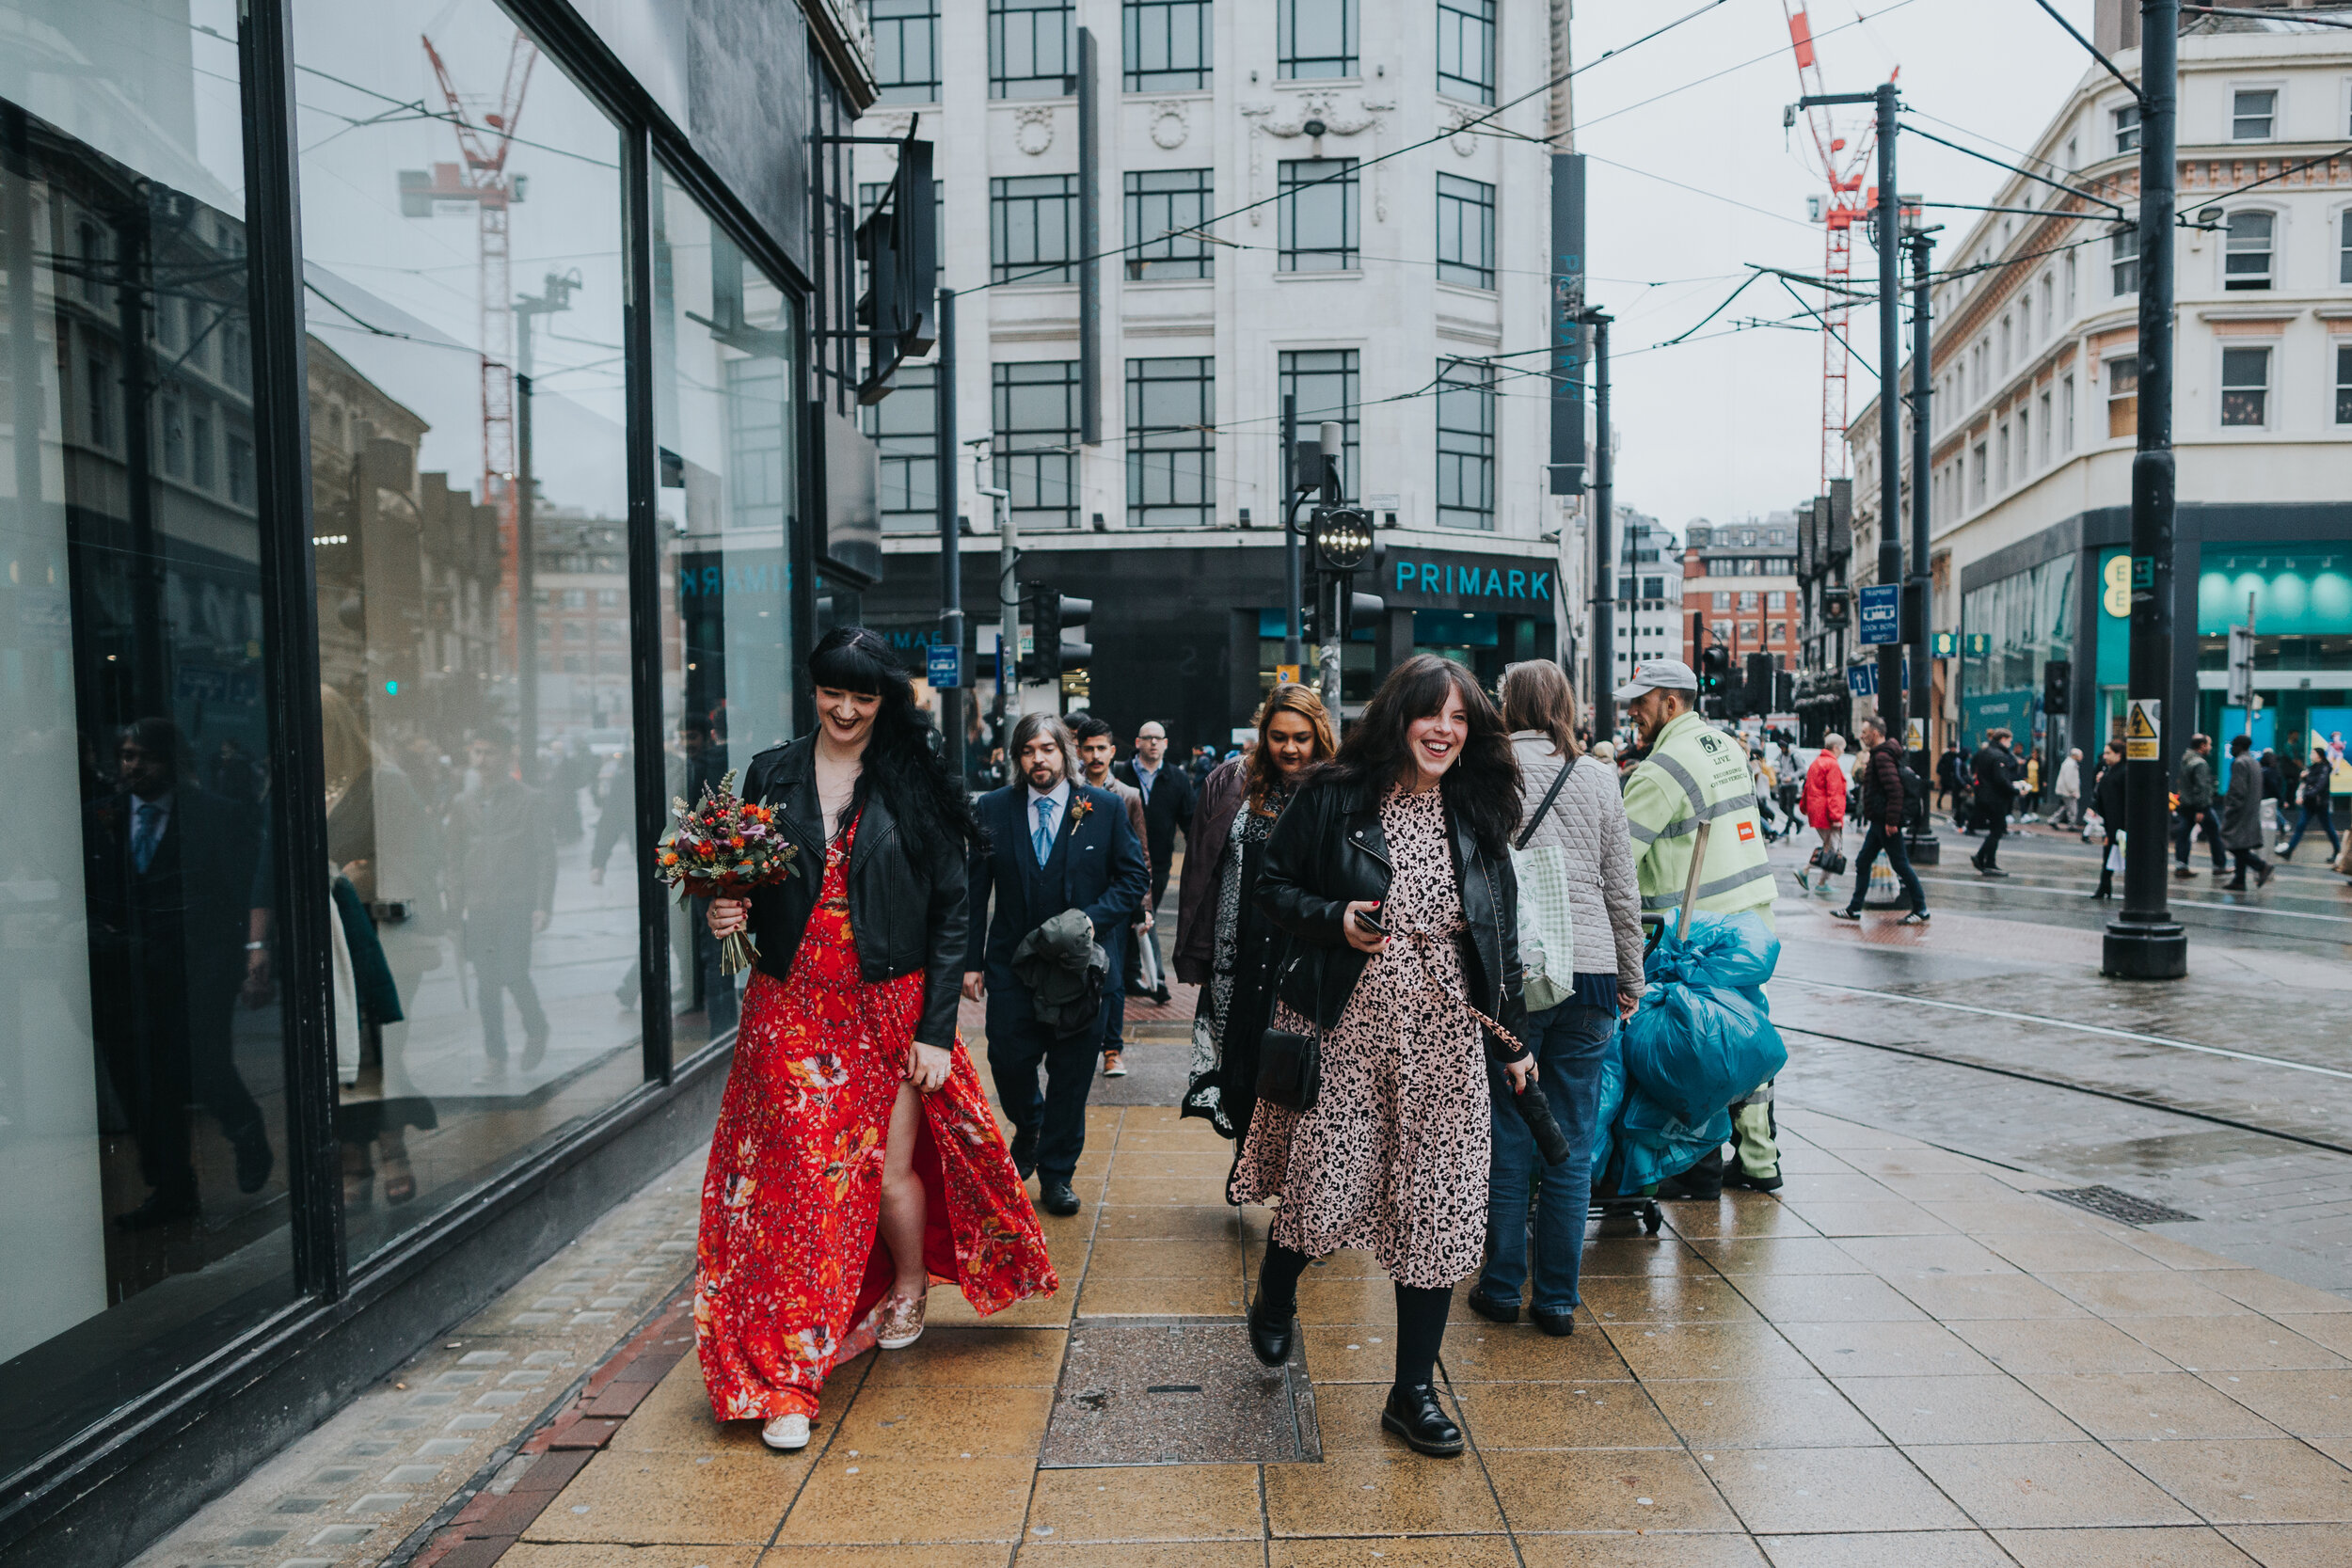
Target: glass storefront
<point>2300,596</point>
<point>2009,631</point>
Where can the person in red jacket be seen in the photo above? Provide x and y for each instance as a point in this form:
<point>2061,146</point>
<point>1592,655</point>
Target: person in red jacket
<point>1824,804</point>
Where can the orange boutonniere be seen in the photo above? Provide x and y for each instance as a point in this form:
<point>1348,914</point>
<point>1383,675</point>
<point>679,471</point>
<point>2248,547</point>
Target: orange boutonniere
<point>1078,809</point>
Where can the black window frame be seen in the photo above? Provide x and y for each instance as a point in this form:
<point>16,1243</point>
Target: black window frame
<point>1144,24</point>
<point>1159,202</point>
<point>1466,446</point>
<point>2124,258</point>
<point>2234,401</point>
<point>1037,267</point>
<point>1151,470</point>
<point>894,22</point>
<point>1292,368</point>
<point>1336,178</point>
<point>1466,213</point>
<point>2344,382</point>
<point>1335,66</point>
<point>1009,21</point>
<point>1462,24</point>
<point>908,457</point>
<point>1039,453</point>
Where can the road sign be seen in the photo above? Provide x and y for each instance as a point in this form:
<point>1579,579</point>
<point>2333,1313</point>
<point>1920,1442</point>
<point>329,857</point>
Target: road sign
<point>2144,730</point>
<point>943,665</point>
<point>1861,679</point>
<point>1286,675</point>
<point>1879,613</point>
<point>1915,736</point>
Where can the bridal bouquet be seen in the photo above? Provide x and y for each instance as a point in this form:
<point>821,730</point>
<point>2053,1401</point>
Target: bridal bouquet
<point>724,847</point>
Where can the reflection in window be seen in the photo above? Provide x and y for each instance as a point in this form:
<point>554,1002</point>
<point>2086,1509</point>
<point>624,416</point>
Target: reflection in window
<point>467,457</point>
<point>2246,387</point>
<point>729,472</point>
<point>143,1196</point>
<point>2344,384</point>
<point>906,424</point>
<point>1036,408</point>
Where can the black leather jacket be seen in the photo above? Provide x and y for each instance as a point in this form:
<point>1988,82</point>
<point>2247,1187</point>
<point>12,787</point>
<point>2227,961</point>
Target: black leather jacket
<point>1326,853</point>
<point>907,910</point>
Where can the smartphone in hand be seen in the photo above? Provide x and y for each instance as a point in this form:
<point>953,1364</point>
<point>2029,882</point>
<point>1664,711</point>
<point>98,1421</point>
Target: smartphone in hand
<point>1370,920</point>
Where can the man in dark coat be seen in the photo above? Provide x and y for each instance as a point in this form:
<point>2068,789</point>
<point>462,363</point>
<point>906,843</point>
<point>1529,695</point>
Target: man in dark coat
<point>1168,796</point>
<point>2242,815</point>
<point>1994,774</point>
<point>2193,781</point>
<point>1879,782</point>
<point>503,862</point>
<point>178,917</point>
<point>1048,844</point>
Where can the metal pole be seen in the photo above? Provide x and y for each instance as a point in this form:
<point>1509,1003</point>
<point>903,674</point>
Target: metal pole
<point>1891,564</point>
<point>1331,439</point>
<point>1294,644</point>
<point>1923,846</point>
<point>2144,942</point>
<point>1604,508</point>
<point>951,541</point>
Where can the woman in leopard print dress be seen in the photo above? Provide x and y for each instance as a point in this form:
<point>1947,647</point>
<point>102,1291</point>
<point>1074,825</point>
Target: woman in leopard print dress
<point>1390,875</point>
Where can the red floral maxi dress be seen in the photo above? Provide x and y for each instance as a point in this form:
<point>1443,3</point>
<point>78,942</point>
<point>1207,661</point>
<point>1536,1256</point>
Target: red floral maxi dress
<point>790,1275</point>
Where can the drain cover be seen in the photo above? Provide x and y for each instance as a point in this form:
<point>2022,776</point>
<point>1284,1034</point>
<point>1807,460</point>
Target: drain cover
<point>1177,1392</point>
<point>2118,1205</point>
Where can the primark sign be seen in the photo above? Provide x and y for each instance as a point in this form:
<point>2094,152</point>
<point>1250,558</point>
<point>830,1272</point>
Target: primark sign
<point>1422,579</point>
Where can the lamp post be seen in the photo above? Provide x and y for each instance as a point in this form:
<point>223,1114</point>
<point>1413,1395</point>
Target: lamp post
<point>1342,545</point>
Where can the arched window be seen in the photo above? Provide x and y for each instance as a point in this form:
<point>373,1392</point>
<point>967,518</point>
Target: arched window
<point>2246,255</point>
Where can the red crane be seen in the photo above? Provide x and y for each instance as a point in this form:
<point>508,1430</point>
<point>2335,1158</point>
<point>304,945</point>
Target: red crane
<point>1842,164</point>
<point>485,136</point>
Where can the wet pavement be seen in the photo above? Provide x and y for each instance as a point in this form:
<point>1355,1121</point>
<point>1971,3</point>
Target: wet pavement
<point>1909,1355</point>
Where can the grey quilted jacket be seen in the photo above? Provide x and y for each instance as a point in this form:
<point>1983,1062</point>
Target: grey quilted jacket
<point>1587,821</point>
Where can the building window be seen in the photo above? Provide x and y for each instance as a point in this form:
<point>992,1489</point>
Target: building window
<point>1465,49</point>
<point>1167,43</point>
<point>869,194</point>
<point>1978,468</point>
<point>2025,444</point>
<point>2068,270</point>
<point>2041,456</point>
<point>1032,48</point>
<point>201,447</point>
<point>2066,401</point>
<point>2253,113</point>
<point>2343,246</point>
<point>1747,631</point>
<point>2124,396</point>
<point>1314,37</point>
<point>2000,473</point>
<point>2124,258</point>
<point>240,466</point>
<point>1325,384</point>
<point>1466,232</point>
<point>2049,318</point>
<point>1466,445</point>
<point>2246,387</point>
<point>906,50</point>
<point>1036,408</point>
<point>2245,254</point>
<point>1318,207</point>
<point>1171,442</point>
<point>1033,229</point>
<point>1166,209</point>
<point>2127,127</point>
<point>1748,602</point>
<point>2005,325</point>
<point>2344,384</point>
<point>1777,601</point>
<point>1722,601</point>
<point>99,403</point>
<point>905,426</point>
<point>1653,587</point>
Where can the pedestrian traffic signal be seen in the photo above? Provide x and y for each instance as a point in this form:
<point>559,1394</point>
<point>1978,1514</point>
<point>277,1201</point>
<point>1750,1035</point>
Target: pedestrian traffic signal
<point>1713,661</point>
<point>2057,677</point>
<point>1052,614</point>
<point>1757,695</point>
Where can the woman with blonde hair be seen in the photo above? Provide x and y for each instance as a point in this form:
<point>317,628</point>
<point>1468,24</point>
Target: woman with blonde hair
<point>1223,945</point>
<point>1581,810</point>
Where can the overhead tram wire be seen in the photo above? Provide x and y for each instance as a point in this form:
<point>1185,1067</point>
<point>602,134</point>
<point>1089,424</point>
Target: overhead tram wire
<point>1362,164</point>
<point>1779,52</point>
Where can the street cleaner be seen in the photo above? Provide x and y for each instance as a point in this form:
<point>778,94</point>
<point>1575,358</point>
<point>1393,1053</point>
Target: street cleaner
<point>1693,774</point>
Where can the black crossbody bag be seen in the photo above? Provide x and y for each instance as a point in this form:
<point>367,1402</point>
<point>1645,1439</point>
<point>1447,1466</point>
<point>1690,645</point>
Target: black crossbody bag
<point>1290,1063</point>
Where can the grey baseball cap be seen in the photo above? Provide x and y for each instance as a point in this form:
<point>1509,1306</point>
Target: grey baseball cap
<point>1653,674</point>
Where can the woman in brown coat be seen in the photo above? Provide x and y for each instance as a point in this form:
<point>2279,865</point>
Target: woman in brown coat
<point>1390,872</point>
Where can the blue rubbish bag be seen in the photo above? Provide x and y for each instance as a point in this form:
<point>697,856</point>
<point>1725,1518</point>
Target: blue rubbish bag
<point>1703,1036</point>
<point>1654,1142</point>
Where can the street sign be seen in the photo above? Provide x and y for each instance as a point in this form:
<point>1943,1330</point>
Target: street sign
<point>1915,736</point>
<point>2144,730</point>
<point>1944,645</point>
<point>1880,614</point>
<point>1980,645</point>
<point>943,666</point>
<point>1285,675</point>
<point>1861,679</point>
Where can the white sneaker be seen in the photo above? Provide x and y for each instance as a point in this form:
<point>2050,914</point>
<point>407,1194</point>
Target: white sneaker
<point>785,1433</point>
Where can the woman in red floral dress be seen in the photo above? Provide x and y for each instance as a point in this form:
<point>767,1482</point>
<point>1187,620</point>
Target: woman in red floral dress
<point>856,1159</point>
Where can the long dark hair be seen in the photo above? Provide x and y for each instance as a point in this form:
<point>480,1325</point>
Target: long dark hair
<point>1483,786</point>
<point>1258,767</point>
<point>904,761</point>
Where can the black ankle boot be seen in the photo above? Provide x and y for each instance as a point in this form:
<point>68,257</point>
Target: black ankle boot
<point>1413,1414</point>
<point>1269,1335</point>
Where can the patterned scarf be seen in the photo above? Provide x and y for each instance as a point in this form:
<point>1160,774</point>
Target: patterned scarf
<point>1208,1020</point>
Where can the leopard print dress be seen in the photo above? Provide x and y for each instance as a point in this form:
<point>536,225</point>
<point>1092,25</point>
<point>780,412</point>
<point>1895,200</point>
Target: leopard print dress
<point>1394,1156</point>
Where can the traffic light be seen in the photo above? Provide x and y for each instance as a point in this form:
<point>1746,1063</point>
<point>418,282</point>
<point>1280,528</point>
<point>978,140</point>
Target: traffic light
<point>1050,616</point>
<point>2057,677</point>
<point>1713,662</point>
<point>1758,697</point>
<point>1783,691</point>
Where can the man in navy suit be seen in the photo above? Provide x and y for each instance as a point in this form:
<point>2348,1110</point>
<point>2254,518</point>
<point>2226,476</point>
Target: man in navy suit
<point>1049,843</point>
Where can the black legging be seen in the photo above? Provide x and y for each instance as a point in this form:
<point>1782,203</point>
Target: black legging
<point>1420,1311</point>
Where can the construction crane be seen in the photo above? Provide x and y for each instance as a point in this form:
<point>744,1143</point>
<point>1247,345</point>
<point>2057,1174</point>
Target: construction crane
<point>485,132</point>
<point>1842,161</point>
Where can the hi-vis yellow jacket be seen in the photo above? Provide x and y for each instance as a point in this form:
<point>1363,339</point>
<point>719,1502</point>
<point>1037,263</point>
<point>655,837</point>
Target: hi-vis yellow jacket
<point>1697,773</point>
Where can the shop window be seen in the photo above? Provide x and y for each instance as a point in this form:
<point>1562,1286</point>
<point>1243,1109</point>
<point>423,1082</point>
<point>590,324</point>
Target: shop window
<point>2253,114</point>
<point>1324,383</point>
<point>2126,123</point>
<point>1171,442</point>
<point>1466,232</point>
<point>1166,211</point>
<point>1318,215</point>
<point>463,808</point>
<point>1465,49</point>
<point>906,426</point>
<point>2246,387</point>
<point>1033,229</point>
<point>2122,396</point>
<point>2344,384</point>
<point>906,50</point>
<point>145,1204</point>
<point>2246,252</point>
<point>1314,37</point>
<point>2123,260</point>
<point>1036,406</point>
<point>1166,45</point>
<point>1466,445</point>
<point>1032,48</point>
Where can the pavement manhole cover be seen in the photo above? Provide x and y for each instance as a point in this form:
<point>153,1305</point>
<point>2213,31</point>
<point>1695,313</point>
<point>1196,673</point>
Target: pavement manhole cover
<point>2118,1205</point>
<point>1184,1391</point>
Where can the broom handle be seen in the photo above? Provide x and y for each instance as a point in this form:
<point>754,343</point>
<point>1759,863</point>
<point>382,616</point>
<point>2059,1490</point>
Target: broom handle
<point>1691,884</point>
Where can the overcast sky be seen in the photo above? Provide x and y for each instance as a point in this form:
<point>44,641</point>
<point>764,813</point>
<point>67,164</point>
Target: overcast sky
<point>1725,428</point>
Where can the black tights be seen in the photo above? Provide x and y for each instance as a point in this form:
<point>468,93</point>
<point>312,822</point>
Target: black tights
<point>1420,1311</point>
